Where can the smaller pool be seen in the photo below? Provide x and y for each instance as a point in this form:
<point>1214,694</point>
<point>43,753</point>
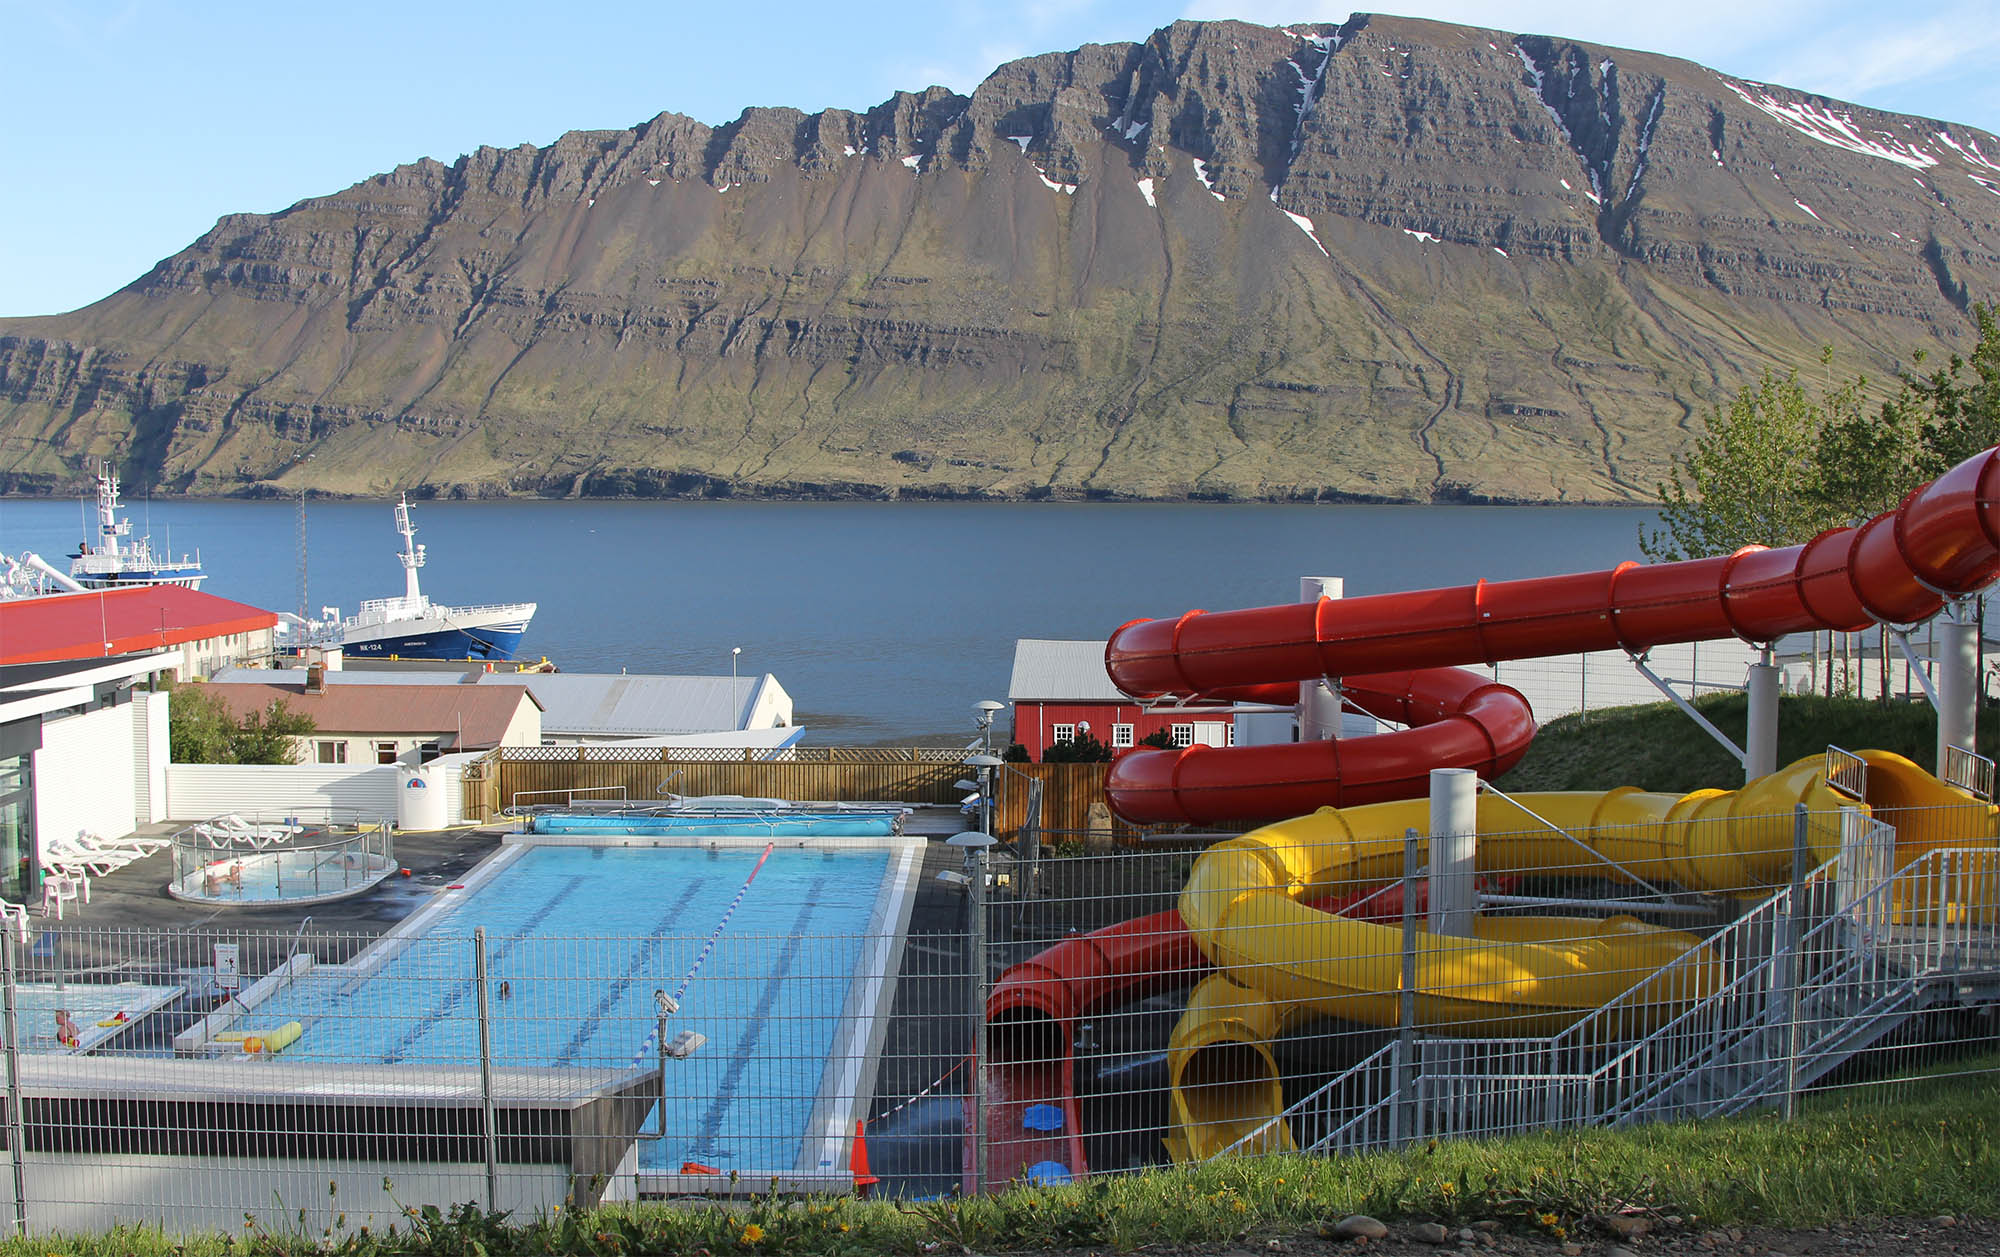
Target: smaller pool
<point>97,1012</point>
<point>279,864</point>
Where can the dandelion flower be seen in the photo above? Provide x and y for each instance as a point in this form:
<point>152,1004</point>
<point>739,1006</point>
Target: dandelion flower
<point>752,1233</point>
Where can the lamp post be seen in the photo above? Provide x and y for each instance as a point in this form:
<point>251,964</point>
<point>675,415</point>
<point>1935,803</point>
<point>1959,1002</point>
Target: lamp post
<point>985,764</point>
<point>984,710</point>
<point>734,652</point>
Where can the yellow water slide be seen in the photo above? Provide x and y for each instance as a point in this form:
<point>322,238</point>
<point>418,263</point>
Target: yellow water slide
<point>1279,961</point>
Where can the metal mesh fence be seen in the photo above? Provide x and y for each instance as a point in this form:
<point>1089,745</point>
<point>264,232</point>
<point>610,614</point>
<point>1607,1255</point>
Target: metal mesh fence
<point>995,1016</point>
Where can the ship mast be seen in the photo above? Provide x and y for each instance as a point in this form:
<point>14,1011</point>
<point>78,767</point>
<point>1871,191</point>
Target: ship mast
<point>412,555</point>
<point>109,527</point>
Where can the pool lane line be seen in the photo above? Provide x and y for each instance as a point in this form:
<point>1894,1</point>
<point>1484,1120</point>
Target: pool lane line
<point>457,991</point>
<point>593,1021</point>
<point>646,1045</point>
<point>704,1143</point>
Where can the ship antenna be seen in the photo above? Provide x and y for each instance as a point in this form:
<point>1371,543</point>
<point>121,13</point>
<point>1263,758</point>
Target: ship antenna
<point>413,554</point>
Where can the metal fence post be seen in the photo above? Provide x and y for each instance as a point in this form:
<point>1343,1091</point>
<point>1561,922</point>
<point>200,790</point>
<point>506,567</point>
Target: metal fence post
<point>980,1160</point>
<point>489,1124</point>
<point>1794,969</point>
<point>17,1126</point>
<point>1406,1030</point>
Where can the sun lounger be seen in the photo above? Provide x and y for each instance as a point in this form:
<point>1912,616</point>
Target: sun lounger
<point>95,855</point>
<point>257,834</point>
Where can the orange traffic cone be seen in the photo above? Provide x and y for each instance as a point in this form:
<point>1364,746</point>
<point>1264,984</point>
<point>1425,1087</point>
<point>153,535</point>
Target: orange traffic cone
<point>858,1161</point>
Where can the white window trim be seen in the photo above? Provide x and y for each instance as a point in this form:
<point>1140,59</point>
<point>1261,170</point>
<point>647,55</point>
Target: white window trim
<point>1121,736</point>
<point>1062,733</point>
<point>1183,735</point>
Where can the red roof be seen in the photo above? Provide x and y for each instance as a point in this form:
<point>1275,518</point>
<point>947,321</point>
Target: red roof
<point>478,714</point>
<point>110,622</point>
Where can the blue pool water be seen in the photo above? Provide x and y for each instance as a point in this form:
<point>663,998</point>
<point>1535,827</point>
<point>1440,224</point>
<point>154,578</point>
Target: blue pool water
<point>582,937</point>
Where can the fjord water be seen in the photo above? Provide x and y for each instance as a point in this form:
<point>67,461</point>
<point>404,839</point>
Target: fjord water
<point>885,621</point>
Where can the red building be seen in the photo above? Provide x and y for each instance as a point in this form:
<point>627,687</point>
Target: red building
<point>209,632</point>
<point>1060,689</point>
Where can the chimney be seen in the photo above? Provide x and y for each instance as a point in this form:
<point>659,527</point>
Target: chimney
<point>316,678</point>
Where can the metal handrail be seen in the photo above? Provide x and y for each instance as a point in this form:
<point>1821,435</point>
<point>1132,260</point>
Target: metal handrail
<point>1847,772</point>
<point>1880,995</point>
<point>567,795</point>
<point>1969,771</point>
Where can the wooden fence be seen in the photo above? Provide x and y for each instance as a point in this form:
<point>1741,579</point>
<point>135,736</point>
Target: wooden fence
<point>542,775</point>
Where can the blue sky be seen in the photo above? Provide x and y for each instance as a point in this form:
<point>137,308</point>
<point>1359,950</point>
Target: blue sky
<point>131,125</point>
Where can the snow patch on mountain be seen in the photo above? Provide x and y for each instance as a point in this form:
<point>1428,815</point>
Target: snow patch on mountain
<point>1817,122</point>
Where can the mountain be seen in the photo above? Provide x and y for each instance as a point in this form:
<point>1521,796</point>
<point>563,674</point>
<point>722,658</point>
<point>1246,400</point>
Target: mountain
<point>1390,259</point>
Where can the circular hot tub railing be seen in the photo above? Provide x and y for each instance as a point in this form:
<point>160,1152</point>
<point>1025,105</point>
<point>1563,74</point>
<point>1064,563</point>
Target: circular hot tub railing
<point>233,862</point>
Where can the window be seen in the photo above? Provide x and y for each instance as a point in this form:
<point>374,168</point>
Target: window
<point>1062,733</point>
<point>1184,735</point>
<point>327,752</point>
<point>385,752</point>
<point>1121,735</point>
<point>428,751</point>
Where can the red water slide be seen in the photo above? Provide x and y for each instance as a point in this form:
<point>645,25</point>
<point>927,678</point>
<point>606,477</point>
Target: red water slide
<point>1898,568</point>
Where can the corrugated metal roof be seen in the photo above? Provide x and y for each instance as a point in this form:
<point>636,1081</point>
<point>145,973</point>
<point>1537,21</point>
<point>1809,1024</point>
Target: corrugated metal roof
<point>602,704</point>
<point>1047,670</point>
<point>477,716</point>
<point>119,622</point>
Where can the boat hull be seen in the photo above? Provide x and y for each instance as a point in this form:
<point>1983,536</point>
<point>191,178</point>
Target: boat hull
<point>497,643</point>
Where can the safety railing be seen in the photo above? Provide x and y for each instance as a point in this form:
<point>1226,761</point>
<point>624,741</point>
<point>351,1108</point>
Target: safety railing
<point>1969,771</point>
<point>1817,973</point>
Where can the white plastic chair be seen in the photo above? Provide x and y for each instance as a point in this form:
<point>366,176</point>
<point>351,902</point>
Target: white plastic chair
<point>14,916</point>
<point>61,888</point>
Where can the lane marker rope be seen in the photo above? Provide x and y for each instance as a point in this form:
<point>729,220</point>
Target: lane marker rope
<point>652,1038</point>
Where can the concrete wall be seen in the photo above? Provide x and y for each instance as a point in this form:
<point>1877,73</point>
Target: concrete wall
<point>87,1194</point>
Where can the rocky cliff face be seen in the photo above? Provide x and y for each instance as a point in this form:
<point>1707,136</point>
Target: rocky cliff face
<point>1389,259</point>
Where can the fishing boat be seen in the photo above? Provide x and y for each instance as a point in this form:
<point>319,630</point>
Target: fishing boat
<point>116,558</point>
<point>414,627</point>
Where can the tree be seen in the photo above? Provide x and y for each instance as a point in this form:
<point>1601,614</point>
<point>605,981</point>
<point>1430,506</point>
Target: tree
<point>1960,416</point>
<point>1752,477</point>
<point>271,736</point>
<point>200,731</point>
<point>1779,465</point>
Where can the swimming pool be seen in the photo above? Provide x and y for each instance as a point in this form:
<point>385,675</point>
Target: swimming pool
<point>789,987</point>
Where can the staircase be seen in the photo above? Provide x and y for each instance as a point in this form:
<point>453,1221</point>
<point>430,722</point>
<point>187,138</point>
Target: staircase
<point>1815,974</point>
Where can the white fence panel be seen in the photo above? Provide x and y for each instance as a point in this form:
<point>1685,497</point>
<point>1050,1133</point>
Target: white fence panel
<point>197,791</point>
